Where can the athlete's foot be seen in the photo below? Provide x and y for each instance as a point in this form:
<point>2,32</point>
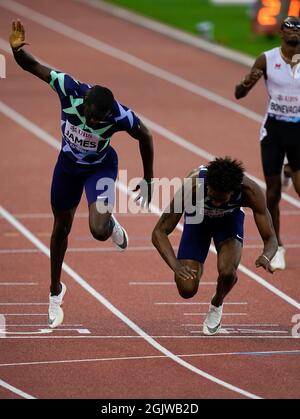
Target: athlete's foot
<point>119,235</point>
<point>55,312</point>
<point>212,323</point>
<point>278,261</point>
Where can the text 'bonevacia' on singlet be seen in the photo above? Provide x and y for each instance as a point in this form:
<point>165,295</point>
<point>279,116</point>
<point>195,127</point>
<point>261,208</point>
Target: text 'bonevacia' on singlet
<point>283,86</point>
<point>235,203</point>
<point>81,143</point>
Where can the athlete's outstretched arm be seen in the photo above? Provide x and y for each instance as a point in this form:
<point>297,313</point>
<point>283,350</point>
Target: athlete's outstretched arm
<point>25,60</point>
<point>255,199</point>
<point>167,224</point>
<point>144,136</point>
<point>258,70</point>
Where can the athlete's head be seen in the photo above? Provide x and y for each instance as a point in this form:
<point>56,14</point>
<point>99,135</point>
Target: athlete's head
<point>98,104</point>
<point>224,178</point>
<point>290,31</point>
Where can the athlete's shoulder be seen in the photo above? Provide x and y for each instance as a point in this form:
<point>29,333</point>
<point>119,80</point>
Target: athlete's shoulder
<point>66,85</point>
<point>271,52</point>
<point>252,192</point>
<point>124,117</point>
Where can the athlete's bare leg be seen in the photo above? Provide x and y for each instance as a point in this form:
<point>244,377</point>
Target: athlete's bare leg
<point>296,181</point>
<point>273,195</point>
<point>63,221</point>
<point>229,257</point>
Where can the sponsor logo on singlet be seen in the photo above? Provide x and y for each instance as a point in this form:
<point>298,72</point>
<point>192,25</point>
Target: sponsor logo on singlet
<point>213,212</point>
<point>79,139</point>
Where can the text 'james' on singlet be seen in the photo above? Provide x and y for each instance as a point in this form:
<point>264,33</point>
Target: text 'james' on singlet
<point>81,143</point>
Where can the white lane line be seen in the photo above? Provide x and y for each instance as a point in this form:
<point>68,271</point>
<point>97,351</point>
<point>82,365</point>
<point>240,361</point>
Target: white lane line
<point>284,332</point>
<point>80,250</point>
<point>166,283</point>
<point>22,314</point>
<point>171,32</point>
<point>24,304</point>
<point>102,300</point>
<point>42,325</point>
<point>236,325</point>
<point>224,314</point>
<point>42,216</point>
<point>198,304</point>
<point>167,337</point>
<point>84,215</point>
<point>178,140</point>
<point>16,390</point>
<point>247,332</point>
<point>152,283</point>
<point>259,246</point>
<point>18,284</point>
<point>147,357</point>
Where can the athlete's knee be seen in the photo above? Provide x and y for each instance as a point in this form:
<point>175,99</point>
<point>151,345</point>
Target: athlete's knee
<point>187,289</point>
<point>187,293</point>
<point>228,275</point>
<point>100,232</point>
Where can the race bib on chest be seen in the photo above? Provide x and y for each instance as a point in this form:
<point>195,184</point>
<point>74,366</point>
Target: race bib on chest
<point>81,140</point>
<point>285,105</point>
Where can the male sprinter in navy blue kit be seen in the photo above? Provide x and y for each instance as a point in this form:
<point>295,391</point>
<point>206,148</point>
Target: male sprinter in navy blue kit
<point>90,116</point>
<point>225,190</point>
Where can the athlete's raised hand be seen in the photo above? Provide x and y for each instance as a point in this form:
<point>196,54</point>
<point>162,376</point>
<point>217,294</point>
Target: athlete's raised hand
<point>264,262</point>
<point>185,273</point>
<point>17,36</point>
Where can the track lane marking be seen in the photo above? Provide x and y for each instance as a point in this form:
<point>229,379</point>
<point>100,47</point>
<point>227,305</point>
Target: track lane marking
<point>18,284</point>
<point>16,390</point>
<point>166,337</point>
<point>148,357</point>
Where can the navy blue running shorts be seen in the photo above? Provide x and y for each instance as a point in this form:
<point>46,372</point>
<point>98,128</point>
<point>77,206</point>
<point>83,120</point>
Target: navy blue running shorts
<point>71,178</point>
<point>196,238</point>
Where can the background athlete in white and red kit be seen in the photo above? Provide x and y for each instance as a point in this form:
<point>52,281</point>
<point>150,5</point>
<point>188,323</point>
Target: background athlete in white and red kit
<point>280,133</point>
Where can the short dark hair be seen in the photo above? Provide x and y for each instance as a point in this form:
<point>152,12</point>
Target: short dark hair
<point>225,174</point>
<point>101,98</point>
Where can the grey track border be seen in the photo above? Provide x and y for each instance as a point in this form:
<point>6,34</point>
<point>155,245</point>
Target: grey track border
<point>171,32</point>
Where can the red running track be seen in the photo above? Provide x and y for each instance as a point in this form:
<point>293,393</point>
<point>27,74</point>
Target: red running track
<point>97,354</point>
